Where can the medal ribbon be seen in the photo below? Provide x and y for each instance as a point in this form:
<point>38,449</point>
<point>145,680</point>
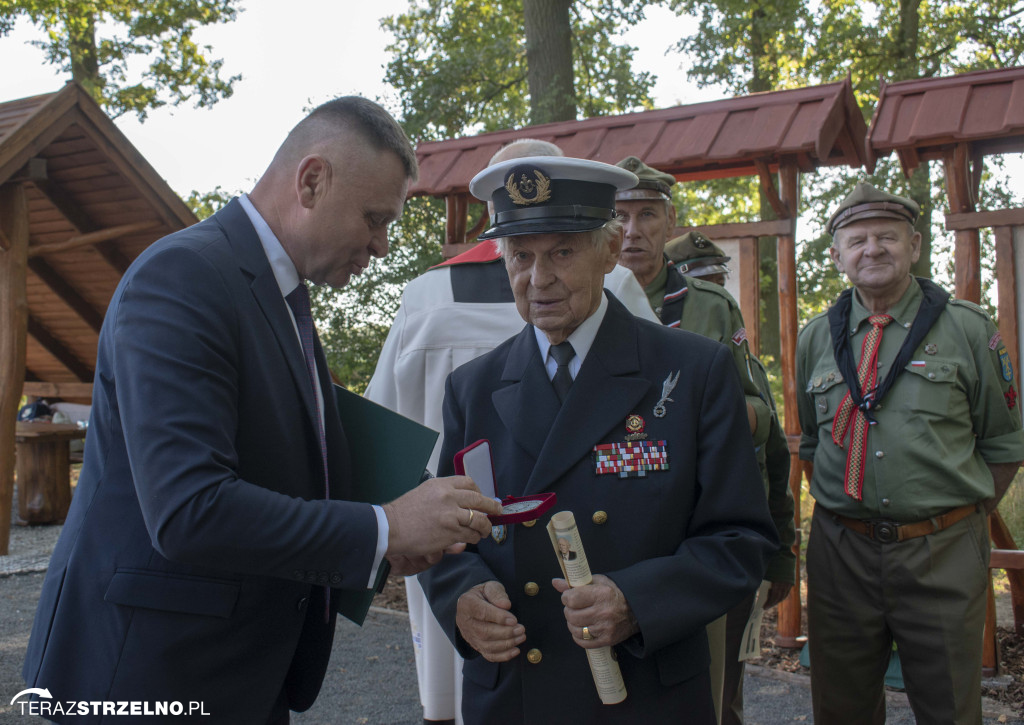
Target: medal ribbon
<point>867,378</point>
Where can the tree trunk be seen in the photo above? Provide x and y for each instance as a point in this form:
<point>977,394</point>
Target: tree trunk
<point>549,71</point>
<point>85,67</point>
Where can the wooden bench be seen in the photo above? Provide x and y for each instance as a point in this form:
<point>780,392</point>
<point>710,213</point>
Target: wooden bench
<point>43,471</point>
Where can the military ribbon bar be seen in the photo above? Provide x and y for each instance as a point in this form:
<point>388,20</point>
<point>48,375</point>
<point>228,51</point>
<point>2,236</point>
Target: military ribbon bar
<point>631,459</point>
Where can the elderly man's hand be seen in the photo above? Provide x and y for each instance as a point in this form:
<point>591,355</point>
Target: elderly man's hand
<point>439,516</point>
<point>602,608</point>
<point>483,617</point>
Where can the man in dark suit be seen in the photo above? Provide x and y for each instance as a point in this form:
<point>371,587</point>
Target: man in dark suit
<point>674,541</point>
<point>211,520</point>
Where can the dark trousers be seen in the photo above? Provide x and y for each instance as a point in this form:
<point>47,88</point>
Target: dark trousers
<point>926,594</point>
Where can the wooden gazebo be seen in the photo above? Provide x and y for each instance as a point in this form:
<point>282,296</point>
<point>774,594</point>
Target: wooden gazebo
<point>78,203</point>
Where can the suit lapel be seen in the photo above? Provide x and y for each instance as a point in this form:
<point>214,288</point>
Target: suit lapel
<point>529,405</point>
<point>606,390</point>
<point>252,260</point>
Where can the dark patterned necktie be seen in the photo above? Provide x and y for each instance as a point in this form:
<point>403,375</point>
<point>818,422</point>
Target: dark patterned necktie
<point>867,378</point>
<point>562,353</point>
<point>298,300</point>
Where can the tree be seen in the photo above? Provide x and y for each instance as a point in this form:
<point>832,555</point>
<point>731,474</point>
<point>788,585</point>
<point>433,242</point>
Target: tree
<point>749,47</point>
<point>99,42</point>
<point>464,66</point>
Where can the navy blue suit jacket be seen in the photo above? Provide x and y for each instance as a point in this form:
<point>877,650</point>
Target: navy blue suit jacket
<point>192,561</point>
<point>684,545</point>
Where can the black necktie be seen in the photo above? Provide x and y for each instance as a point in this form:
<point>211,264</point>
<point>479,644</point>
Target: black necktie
<point>298,300</point>
<point>562,353</point>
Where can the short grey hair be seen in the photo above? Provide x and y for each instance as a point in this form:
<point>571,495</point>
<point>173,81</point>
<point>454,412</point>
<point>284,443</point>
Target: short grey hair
<point>600,237</point>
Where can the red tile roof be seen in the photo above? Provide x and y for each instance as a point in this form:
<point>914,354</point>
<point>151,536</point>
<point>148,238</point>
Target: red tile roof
<point>816,126</point>
<point>918,118</point>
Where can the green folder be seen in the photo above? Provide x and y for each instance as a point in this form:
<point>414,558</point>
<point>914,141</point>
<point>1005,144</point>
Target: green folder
<point>389,455</point>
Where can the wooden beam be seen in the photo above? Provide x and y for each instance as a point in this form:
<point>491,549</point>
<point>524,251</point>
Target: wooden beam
<point>451,208</point>
<point>60,287</point>
<point>967,272</point>
<point>750,290</point>
<point>984,219</point>
<point>773,228</point>
<point>1006,292</point>
<point>83,240</point>
<point>768,187</point>
<point>38,332</point>
<point>1006,559</point>
<point>789,617</point>
<point>113,256</point>
<point>13,322</point>
<point>57,390</point>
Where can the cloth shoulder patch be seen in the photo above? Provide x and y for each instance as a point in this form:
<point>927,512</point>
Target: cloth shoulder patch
<point>1005,365</point>
<point>739,336</point>
<point>994,342</point>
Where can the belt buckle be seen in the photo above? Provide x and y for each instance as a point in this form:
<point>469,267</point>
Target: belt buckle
<point>885,532</point>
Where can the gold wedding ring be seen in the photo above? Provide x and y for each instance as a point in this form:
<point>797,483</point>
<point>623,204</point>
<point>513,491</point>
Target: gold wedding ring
<point>587,634</point>
<point>470,522</point>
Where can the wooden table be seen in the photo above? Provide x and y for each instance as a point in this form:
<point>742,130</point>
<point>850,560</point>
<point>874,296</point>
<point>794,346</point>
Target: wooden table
<point>44,471</point>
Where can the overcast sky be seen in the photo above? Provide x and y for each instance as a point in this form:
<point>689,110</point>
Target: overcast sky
<point>294,55</point>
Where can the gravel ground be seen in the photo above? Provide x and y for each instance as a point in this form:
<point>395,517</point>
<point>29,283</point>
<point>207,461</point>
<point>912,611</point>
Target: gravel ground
<point>372,675</point>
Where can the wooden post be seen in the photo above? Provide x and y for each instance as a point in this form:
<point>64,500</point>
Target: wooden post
<point>1006,289</point>
<point>967,274</point>
<point>13,324</point>
<point>789,622</point>
<point>749,265</point>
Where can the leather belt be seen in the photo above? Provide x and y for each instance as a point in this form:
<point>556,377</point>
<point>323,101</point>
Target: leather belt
<point>887,532</point>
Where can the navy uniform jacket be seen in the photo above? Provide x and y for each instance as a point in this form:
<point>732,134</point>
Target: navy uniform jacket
<point>192,561</point>
<point>684,545</point>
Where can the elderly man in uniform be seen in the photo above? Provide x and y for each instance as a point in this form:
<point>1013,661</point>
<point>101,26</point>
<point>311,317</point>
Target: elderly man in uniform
<point>673,544</point>
<point>697,256</point>
<point>454,313</point>
<point>648,218</point>
<point>910,414</point>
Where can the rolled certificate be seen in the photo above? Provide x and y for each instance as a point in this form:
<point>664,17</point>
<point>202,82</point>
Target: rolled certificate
<point>569,549</point>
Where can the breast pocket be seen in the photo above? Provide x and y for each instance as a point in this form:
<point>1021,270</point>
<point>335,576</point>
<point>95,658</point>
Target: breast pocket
<point>929,386</point>
<point>827,389</point>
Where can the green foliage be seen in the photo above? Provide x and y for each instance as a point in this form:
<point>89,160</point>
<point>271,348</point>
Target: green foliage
<point>460,65</point>
<point>354,321</point>
<point>100,43</point>
<point>207,204</point>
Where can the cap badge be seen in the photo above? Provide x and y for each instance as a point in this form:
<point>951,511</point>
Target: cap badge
<point>700,241</point>
<point>521,192</point>
<point>931,349</point>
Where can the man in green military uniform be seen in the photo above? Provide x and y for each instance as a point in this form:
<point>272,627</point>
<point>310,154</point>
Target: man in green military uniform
<point>648,218</point>
<point>680,301</point>
<point>910,414</point>
<point>697,256</point>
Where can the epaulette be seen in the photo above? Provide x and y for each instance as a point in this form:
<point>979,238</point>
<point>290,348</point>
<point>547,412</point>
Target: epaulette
<point>967,304</point>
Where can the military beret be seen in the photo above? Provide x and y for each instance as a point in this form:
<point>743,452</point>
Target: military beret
<point>651,184</point>
<point>867,202</point>
<point>549,194</point>
<point>696,255</point>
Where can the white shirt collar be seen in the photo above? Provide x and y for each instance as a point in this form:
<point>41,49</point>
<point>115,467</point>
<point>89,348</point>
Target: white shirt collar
<point>280,263</point>
<point>582,339</point>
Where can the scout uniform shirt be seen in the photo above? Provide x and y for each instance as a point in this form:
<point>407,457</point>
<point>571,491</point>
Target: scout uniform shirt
<point>710,311</point>
<point>952,409</point>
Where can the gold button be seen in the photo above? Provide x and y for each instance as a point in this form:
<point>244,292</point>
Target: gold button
<point>529,523</point>
<point>531,589</point>
<point>534,656</point>
<point>599,517</point>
